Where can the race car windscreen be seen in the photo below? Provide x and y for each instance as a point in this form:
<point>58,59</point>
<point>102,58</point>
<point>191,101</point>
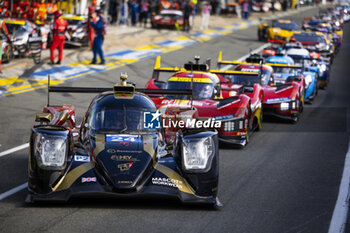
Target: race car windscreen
<point>283,70</point>
<point>74,21</point>
<point>170,16</point>
<point>17,29</point>
<point>117,119</point>
<point>292,26</point>
<point>265,77</point>
<point>200,90</point>
<point>309,38</point>
<point>299,60</point>
<point>243,79</point>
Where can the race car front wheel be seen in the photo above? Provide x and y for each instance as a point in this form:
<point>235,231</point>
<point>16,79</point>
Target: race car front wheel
<point>8,56</point>
<point>260,37</point>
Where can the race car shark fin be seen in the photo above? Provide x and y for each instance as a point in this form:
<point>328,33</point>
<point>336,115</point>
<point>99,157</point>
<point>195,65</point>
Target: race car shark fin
<point>220,57</point>
<point>157,64</point>
<point>48,90</point>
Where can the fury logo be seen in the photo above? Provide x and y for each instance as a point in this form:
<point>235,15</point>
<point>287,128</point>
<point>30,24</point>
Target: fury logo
<point>125,166</point>
<point>123,158</point>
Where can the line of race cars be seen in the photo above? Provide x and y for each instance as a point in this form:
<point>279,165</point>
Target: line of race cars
<point>164,139</point>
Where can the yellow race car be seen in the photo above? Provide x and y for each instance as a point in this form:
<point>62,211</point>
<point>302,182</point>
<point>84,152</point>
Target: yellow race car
<point>277,30</point>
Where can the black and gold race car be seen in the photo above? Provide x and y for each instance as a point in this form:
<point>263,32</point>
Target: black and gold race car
<point>281,30</point>
<point>120,150</point>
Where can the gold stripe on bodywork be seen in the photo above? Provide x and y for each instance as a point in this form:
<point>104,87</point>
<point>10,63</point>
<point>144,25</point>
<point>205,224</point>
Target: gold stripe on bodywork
<point>100,144</point>
<point>67,180</point>
<point>185,187</point>
<point>149,147</point>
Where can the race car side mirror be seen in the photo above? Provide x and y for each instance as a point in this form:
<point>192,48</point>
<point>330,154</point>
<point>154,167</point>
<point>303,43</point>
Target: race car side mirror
<point>217,91</point>
<point>43,118</point>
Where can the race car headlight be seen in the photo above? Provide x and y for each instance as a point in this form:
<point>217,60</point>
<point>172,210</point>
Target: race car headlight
<point>323,68</point>
<point>233,125</point>
<point>197,153</point>
<point>19,39</point>
<point>308,80</point>
<point>285,106</point>
<point>79,31</point>
<point>50,150</point>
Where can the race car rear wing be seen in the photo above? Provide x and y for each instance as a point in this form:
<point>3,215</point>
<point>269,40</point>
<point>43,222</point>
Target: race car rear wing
<point>124,89</point>
<point>250,62</point>
<point>276,41</point>
<point>190,67</point>
<point>157,69</point>
<point>105,89</point>
<point>285,65</point>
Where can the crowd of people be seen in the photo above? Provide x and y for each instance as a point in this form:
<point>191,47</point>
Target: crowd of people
<point>36,11</point>
<point>133,12</point>
<point>139,12</point>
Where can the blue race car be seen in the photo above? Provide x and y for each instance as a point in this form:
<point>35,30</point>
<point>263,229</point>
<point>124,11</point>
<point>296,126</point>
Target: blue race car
<point>282,73</point>
<point>310,68</point>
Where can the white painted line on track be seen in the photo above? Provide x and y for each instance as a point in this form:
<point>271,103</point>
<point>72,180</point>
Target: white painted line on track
<point>340,212</point>
<point>17,148</point>
<point>13,191</point>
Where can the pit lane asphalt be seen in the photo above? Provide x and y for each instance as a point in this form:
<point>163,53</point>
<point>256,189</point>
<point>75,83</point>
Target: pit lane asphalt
<point>285,180</point>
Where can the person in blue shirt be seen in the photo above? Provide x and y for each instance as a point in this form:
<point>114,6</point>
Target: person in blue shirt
<point>100,31</point>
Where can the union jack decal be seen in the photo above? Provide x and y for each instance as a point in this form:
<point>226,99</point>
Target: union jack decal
<point>88,179</point>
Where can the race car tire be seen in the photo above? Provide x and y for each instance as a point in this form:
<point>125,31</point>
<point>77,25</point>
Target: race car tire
<point>37,58</point>
<point>295,118</point>
<point>217,205</point>
<point>316,89</point>
<point>260,37</point>
<point>8,56</point>
<point>85,42</point>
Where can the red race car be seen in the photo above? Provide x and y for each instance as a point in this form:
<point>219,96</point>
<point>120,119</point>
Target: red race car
<point>235,114</point>
<point>168,18</point>
<point>280,100</point>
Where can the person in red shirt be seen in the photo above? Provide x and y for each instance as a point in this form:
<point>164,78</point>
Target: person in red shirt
<point>59,28</point>
<point>91,19</point>
<point>24,5</point>
<point>3,31</point>
<point>32,12</point>
<point>4,9</point>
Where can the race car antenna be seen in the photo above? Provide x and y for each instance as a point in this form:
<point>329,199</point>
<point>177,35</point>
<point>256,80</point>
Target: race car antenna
<point>48,90</point>
<point>196,58</point>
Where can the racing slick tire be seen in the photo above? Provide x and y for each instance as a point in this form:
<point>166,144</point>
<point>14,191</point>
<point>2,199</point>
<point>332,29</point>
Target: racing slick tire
<point>37,58</point>
<point>8,56</point>
<point>260,36</point>
<point>296,116</point>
